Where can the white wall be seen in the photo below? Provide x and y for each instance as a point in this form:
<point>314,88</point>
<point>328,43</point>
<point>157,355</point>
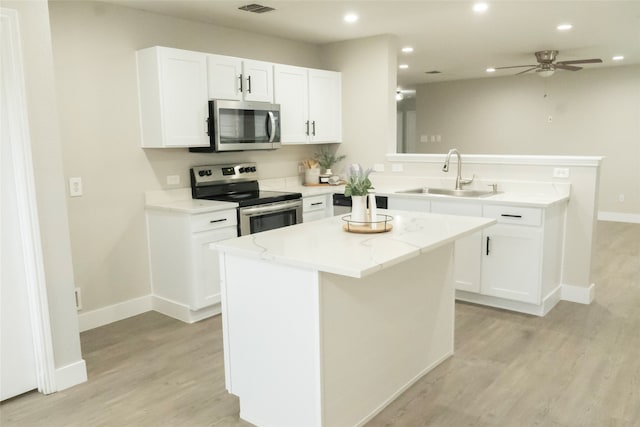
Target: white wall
<point>49,182</point>
<point>593,112</point>
<point>368,69</point>
<point>94,48</point>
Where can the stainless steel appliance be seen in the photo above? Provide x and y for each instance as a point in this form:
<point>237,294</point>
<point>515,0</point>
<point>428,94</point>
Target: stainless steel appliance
<point>242,126</point>
<point>342,204</point>
<point>258,210</point>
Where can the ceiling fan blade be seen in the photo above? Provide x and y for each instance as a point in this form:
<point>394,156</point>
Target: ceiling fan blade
<point>526,71</point>
<point>516,66</point>
<point>582,61</point>
<point>567,67</point>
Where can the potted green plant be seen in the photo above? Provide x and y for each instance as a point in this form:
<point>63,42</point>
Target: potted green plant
<point>326,158</point>
<point>357,187</point>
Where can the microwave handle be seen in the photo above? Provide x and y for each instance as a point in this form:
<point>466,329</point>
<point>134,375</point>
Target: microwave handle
<point>271,126</point>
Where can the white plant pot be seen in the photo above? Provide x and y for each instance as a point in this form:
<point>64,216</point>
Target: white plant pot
<point>359,208</point>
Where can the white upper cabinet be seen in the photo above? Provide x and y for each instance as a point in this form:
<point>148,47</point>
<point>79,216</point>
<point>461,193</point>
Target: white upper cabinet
<point>325,105</point>
<point>172,95</point>
<point>239,79</point>
<point>310,104</point>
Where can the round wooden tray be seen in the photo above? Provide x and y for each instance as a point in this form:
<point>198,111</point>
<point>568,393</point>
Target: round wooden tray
<point>382,225</point>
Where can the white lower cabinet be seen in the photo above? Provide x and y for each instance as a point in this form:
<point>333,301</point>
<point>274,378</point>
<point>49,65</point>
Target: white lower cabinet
<point>316,207</point>
<point>468,258</point>
<point>184,271</point>
<point>511,262</point>
<point>522,254</point>
<point>514,264</point>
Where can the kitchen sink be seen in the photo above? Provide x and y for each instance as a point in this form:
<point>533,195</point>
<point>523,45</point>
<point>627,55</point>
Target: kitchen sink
<point>449,192</point>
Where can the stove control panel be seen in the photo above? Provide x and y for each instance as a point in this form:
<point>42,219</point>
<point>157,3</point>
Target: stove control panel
<point>207,175</point>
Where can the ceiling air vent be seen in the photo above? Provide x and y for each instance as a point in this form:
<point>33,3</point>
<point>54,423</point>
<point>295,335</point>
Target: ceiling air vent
<point>433,72</point>
<point>256,8</point>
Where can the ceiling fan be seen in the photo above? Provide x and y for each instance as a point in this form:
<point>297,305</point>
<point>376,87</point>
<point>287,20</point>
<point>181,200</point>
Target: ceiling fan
<point>547,64</point>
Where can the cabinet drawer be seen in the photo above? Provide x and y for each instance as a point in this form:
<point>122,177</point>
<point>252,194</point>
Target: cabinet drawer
<point>213,220</point>
<point>314,203</point>
<point>514,215</point>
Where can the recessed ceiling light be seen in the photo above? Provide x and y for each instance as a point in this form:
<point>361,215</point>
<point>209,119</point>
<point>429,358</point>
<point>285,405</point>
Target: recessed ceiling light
<point>564,27</point>
<point>407,49</point>
<point>618,58</point>
<point>350,18</point>
<point>403,66</point>
<point>491,70</point>
<point>480,7</point>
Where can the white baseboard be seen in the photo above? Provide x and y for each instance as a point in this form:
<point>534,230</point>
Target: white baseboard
<point>70,375</point>
<point>133,307</point>
<point>183,312</point>
<point>578,294</point>
<point>619,217</point>
<point>113,313</point>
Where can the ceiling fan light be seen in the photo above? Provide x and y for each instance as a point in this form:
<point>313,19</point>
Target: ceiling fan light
<point>490,70</point>
<point>618,58</point>
<point>546,73</point>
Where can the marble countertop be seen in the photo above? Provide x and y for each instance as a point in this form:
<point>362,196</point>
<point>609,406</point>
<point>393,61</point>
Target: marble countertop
<point>323,245</point>
<point>513,193</point>
<point>180,200</point>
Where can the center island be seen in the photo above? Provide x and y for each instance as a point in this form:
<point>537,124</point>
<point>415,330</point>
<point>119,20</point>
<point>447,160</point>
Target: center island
<point>323,327</point>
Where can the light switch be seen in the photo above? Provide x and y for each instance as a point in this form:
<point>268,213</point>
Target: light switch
<point>75,186</point>
<point>397,167</point>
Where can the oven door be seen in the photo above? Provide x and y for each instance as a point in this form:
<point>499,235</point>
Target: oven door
<point>254,219</point>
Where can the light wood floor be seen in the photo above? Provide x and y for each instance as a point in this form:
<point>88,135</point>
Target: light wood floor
<point>578,366</point>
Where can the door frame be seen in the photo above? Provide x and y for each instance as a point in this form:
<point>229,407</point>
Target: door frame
<point>15,102</point>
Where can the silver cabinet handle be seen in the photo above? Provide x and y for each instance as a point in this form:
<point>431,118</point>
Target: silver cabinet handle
<point>488,239</point>
<point>249,84</point>
<point>240,78</point>
<point>213,221</point>
<point>307,125</point>
<point>313,126</point>
<point>511,216</point>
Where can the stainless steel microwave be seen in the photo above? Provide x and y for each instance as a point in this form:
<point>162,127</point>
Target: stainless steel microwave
<point>242,126</point>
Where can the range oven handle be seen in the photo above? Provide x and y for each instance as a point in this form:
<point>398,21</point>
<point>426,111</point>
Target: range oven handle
<point>271,130</point>
<point>259,210</point>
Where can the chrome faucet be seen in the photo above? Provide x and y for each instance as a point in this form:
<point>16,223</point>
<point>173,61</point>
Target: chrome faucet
<point>459,181</point>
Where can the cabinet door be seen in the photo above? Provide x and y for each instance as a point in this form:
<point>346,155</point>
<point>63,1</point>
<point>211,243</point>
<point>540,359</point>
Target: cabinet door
<point>511,262</point>
<point>206,267</point>
<point>291,92</point>
<point>224,77</point>
<point>258,81</point>
<point>468,255</point>
<point>325,106</point>
<point>172,86</point>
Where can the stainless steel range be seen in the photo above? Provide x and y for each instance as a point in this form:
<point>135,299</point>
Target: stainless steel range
<point>258,210</point>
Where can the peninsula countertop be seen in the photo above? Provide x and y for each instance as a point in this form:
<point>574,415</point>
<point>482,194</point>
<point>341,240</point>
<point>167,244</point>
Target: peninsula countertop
<point>324,246</point>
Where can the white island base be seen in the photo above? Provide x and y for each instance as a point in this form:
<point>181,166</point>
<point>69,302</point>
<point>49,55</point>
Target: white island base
<point>309,348</point>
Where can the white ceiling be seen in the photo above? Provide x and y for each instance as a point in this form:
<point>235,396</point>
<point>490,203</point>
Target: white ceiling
<point>447,35</point>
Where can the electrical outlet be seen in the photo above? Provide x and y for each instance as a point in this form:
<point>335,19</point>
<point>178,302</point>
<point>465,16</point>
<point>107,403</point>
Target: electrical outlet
<point>424,138</point>
<point>561,172</point>
<point>378,167</point>
<point>438,138</point>
<point>397,167</point>
<point>173,179</point>
<point>621,198</point>
<point>75,186</point>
